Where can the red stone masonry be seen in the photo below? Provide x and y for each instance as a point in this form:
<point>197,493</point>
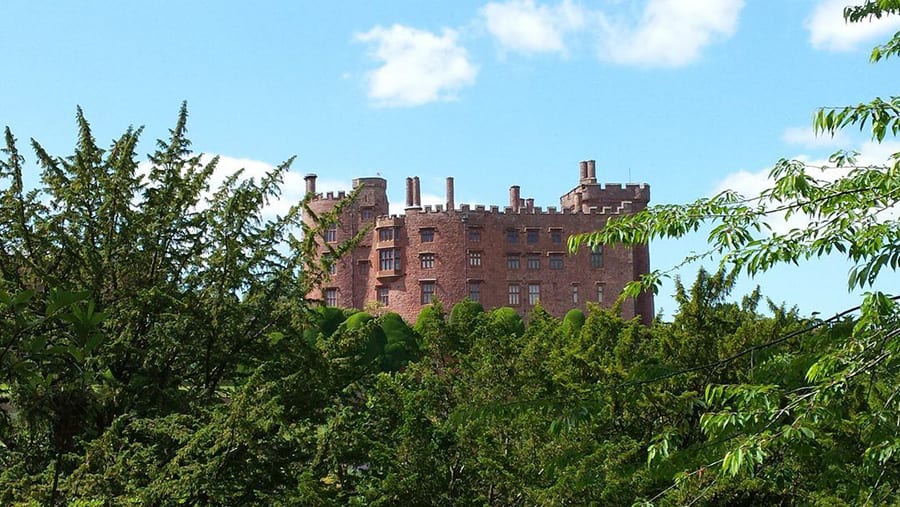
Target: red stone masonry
<point>485,253</point>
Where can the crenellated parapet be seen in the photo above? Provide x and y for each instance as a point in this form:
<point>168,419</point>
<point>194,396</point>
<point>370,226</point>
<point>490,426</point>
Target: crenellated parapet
<point>623,207</point>
<point>390,221</point>
<point>330,196</point>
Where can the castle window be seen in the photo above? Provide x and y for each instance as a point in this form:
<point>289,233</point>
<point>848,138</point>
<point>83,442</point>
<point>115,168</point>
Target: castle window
<point>475,291</point>
<point>384,295</point>
<point>427,260</point>
<point>513,292</point>
<point>599,293</point>
<point>556,236</point>
<point>427,292</point>
<point>364,267</point>
<point>475,259</point>
<point>367,214</point>
<point>331,234</point>
<point>574,294</point>
<point>531,236</point>
<point>330,264</point>
<point>597,257</point>
<point>386,234</point>
<point>427,234</point>
<point>556,261</point>
<point>534,261</point>
<point>388,259</point>
<point>512,261</point>
<point>534,293</point>
<point>512,236</point>
<point>331,297</point>
<point>475,235</point>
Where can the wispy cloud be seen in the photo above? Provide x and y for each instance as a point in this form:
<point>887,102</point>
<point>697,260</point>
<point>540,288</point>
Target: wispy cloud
<point>807,138</point>
<point>751,183</point>
<point>417,66</point>
<point>526,27</point>
<point>293,187</point>
<point>828,31</point>
<point>669,33</point>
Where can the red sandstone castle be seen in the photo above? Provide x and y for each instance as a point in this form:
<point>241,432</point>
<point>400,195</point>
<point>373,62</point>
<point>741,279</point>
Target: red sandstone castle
<point>514,256</point>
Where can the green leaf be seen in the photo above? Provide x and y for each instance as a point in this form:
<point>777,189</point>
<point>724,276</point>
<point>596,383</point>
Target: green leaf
<point>59,299</point>
<point>75,352</point>
<point>22,298</point>
<point>275,337</point>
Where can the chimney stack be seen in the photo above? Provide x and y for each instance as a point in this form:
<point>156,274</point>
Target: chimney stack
<point>592,171</point>
<point>450,203</point>
<point>529,204</point>
<point>583,167</point>
<point>310,183</point>
<point>514,197</point>
<point>409,192</point>
<point>417,195</point>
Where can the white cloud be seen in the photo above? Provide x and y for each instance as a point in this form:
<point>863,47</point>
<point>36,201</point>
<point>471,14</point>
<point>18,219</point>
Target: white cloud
<point>293,187</point>
<point>828,31</point>
<point>670,33</point>
<point>750,184</point>
<point>418,66</point>
<point>525,27</point>
<point>872,153</point>
<point>807,138</point>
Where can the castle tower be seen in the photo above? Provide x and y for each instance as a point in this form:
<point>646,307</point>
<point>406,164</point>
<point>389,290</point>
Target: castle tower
<point>349,278</point>
<point>590,196</point>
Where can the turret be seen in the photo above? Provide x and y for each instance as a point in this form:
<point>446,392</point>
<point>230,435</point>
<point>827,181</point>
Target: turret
<point>450,203</point>
<point>514,198</point>
<point>310,183</point>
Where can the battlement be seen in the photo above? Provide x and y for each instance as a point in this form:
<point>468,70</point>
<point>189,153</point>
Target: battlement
<point>611,192</point>
<point>588,197</point>
<point>639,190</point>
<point>482,210</point>
<point>390,221</point>
<point>379,185</point>
<point>330,196</point>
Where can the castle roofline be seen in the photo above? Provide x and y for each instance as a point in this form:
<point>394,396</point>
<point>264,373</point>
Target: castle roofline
<point>588,196</point>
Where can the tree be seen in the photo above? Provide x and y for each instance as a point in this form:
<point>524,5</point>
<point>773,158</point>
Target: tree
<point>846,392</point>
<point>142,316</point>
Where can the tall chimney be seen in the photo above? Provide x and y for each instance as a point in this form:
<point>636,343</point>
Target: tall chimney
<point>583,166</point>
<point>450,203</point>
<point>592,171</point>
<point>310,183</point>
<point>409,192</point>
<point>514,197</point>
<point>417,195</point>
<point>529,204</point>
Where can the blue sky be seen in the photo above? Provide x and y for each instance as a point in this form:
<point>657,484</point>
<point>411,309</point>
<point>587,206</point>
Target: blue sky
<point>686,95</point>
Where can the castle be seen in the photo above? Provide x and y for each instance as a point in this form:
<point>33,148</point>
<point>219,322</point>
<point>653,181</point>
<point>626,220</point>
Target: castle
<point>514,256</point>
